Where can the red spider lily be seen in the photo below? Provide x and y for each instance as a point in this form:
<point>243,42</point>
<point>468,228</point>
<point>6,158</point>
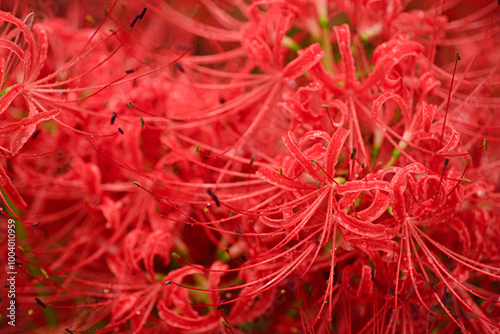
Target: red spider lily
<point>305,166</point>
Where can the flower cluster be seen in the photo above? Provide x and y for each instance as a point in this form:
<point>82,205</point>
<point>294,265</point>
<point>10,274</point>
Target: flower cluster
<point>215,166</point>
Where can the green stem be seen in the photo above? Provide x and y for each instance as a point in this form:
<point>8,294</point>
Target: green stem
<point>326,45</point>
<point>396,153</point>
<point>291,44</point>
<point>22,238</point>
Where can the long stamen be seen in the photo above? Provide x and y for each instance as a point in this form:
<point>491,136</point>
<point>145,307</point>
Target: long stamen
<point>449,95</point>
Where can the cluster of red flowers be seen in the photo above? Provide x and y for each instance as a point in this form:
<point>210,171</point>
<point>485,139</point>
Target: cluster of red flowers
<point>233,166</point>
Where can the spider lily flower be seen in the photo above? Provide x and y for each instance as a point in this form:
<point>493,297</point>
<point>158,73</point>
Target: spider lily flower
<point>307,166</point>
<point>27,85</point>
<point>301,176</point>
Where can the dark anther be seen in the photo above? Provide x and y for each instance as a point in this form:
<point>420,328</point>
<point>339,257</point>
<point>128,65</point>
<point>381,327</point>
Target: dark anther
<point>39,302</point>
<point>373,273</point>
<point>134,21</point>
<point>37,132</point>
<point>216,200</point>
<point>113,118</point>
<point>446,161</point>
<point>179,66</point>
<point>393,293</point>
<point>446,298</point>
<point>142,13</point>
<point>120,130</point>
<point>353,154</point>
<point>220,307</point>
<point>434,286</point>
<point>130,71</point>
<point>340,276</point>
<point>35,224</point>
<point>67,330</point>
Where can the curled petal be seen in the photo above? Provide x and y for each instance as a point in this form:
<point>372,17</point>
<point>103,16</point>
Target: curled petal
<point>361,185</point>
<point>283,22</point>
<point>2,69</point>
<point>334,148</point>
<point>157,245</point>
<point>307,59</point>
<point>25,128</point>
<point>9,96</point>
<point>122,309</point>
<point>428,111</point>
<point>111,212</point>
<point>174,308</point>
<point>8,187</point>
<point>365,288</point>
<point>386,56</point>
<point>328,81</point>
<point>428,82</point>
<point>357,226</point>
<point>28,121</point>
<point>214,279</point>
<point>344,41</point>
<point>453,140</point>
<point>399,184</point>
<point>273,177</point>
<point>15,49</point>
<point>379,205</point>
<point>377,105</point>
<point>24,28</point>
<point>396,47</point>
<point>273,223</point>
<point>43,46</point>
<point>301,158</point>
<point>387,246</point>
<point>342,108</point>
<point>259,50</point>
<point>313,135</point>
